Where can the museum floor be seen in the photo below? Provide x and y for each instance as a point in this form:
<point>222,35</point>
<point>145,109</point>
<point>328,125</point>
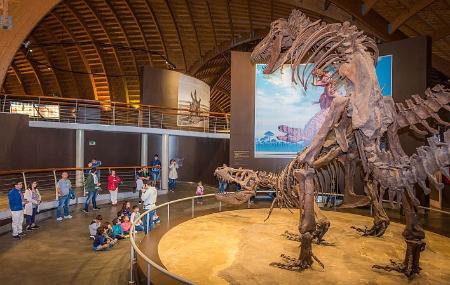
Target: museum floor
<point>60,253</point>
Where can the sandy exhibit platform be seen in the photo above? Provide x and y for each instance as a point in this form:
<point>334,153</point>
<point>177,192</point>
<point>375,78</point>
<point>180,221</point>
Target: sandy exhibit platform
<point>236,247</point>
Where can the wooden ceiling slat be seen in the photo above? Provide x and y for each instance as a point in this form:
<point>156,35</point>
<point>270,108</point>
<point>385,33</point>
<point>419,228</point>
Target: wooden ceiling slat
<point>408,13</point>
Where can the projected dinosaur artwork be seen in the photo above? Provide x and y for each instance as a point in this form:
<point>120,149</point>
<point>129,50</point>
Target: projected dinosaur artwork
<point>361,126</point>
<point>294,135</point>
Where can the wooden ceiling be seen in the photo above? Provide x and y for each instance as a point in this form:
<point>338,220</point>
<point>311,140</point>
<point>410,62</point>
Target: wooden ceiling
<point>105,43</point>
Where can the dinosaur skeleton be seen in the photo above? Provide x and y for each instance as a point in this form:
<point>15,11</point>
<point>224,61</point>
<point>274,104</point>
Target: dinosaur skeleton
<point>354,128</point>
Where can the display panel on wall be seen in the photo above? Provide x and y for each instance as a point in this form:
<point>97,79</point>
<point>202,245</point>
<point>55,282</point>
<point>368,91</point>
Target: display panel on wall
<point>34,110</point>
<point>193,95</point>
<point>288,115</point>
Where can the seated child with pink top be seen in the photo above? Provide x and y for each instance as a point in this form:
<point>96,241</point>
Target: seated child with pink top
<point>125,224</point>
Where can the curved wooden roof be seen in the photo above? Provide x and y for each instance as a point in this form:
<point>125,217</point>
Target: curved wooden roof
<point>106,42</point>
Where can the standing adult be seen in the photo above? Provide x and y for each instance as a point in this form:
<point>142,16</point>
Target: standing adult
<point>91,185</point>
<point>16,202</point>
<point>149,194</point>
<point>173,174</point>
<point>63,187</point>
<point>222,184</point>
<point>113,186</point>
<point>33,199</point>
<point>156,170</point>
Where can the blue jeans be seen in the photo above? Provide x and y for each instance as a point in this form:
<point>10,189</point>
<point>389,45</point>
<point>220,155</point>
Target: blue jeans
<point>172,184</point>
<point>150,222</point>
<point>155,176</point>
<point>31,218</point>
<point>222,186</point>
<point>63,201</point>
<point>92,195</point>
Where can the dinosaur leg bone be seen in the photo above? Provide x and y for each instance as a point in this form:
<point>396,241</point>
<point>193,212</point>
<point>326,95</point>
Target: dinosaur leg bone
<point>380,218</point>
<point>351,199</point>
<point>307,224</point>
<point>413,235</point>
<point>322,226</point>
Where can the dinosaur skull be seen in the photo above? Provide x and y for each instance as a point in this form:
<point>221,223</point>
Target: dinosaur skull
<point>244,177</point>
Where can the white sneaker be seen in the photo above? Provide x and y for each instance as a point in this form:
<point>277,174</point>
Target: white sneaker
<point>68,217</point>
<point>59,219</point>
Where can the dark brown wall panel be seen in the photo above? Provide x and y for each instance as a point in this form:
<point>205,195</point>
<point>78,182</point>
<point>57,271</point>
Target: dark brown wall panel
<point>24,147</point>
<point>118,149</point>
<point>201,155</point>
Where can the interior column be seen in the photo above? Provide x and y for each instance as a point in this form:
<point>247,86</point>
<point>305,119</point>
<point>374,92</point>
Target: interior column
<point>79,157</point>
<point>164,161</point>
<point>144,149</point>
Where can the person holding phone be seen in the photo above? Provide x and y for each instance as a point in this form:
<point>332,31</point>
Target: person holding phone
<point>92,186</point>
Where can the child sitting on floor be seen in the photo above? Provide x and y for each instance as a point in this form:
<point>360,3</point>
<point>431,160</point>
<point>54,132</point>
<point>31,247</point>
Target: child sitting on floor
<point>125,224</point>
<point>117,229</point>
<point>94,225</point>
<point>126,209</point>
<point>100,241</point>
<point>135,215</point>
<point>109,235</point>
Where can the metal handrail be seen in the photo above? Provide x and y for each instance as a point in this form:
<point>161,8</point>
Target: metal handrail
<point>82,111</point>
<point>35,170</point>
<point>135,248</point>
<point>149,262</point>
<point>48,99</point>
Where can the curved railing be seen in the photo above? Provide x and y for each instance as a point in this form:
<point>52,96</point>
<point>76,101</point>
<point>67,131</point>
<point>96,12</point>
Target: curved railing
<point>68,110</point>
<point>137,252</point>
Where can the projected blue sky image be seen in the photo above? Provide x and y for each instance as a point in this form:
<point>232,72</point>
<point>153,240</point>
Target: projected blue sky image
<point>278,101</point>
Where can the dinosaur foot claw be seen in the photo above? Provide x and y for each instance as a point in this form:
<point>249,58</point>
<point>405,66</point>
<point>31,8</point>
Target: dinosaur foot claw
<point>377,230</point>
<point>325,243</point>
<point>400,267</point>
<point>410,266</point>
<point>292,264</point>
<point>291,236</point>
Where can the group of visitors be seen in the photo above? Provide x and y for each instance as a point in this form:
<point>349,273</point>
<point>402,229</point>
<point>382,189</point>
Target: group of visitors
<point>105,234</point>
<point>102,234</point>
<point>23,204</point>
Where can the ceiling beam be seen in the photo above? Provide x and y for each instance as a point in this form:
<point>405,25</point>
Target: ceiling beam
<point>367,5</point>
<point>226,46</point>
<point>212,24</point>
<point>36,71</point>
<point>50,62</point>
<point>371,22</point>
<point>158,27</point>
<point>194,27</point>
<point>440,64</point>
<point>18,76</point>
<point>138,24</point>
<point>175,23</point>
<point>408,13</point>
<point>440,34</point>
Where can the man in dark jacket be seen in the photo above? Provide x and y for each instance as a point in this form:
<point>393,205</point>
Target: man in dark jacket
<point>16,203</point>
<point>91,185</point>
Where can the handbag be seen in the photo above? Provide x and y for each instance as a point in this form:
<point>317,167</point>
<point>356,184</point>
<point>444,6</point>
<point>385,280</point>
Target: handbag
<point>72,194</point>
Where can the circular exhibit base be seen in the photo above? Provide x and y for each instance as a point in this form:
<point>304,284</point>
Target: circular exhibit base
<point>236,247</point>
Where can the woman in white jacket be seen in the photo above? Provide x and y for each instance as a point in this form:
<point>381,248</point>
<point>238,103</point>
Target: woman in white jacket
<point>173,175</point>
<point>32,201</point>
<point>149,194</point>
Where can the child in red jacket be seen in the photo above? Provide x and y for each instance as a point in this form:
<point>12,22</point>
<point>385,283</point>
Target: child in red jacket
<point>113,186</point>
